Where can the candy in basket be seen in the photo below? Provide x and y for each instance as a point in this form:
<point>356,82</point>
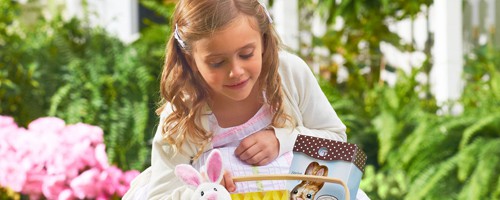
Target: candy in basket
<point>321,169</point>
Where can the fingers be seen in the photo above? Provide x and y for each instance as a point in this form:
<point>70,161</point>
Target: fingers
<point>245,144</point>
<point>262,162</point>
<point>258,149</point>
<point>246,150</point>
<point>227,181</point>
<point>255,155</point>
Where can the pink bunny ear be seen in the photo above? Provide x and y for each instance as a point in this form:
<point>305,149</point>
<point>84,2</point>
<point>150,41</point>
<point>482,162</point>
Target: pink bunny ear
<point>214,166</point>
<point>311,168</point>
<point>320,172</point>
<point>187,174</point>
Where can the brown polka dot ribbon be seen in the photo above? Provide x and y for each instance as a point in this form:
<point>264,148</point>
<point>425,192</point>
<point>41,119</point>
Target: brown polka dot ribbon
<point>330,150</point>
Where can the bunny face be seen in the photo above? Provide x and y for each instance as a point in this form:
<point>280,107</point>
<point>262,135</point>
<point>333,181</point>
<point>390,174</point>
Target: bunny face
<point>307,189</point>
<point>304,192</point>
<point>209,189</point>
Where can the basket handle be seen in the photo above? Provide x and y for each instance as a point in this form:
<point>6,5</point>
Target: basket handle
<point>294,177</point>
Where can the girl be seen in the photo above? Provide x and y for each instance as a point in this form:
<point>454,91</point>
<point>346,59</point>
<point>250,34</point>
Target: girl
<point>227,85</point>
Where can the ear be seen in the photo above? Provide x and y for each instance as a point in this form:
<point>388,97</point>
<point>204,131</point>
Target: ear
<point>188,175</point>
<point>311,167</point>
<point>214,166</point>
<point>322,171</point>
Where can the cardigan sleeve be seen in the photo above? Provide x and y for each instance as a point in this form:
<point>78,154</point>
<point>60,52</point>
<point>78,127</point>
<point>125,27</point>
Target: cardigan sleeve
<point>159,180</point>
<point>307,105</point>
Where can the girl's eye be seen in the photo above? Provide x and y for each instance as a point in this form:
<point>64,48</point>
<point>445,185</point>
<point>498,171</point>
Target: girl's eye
<point>246,56</point>
<point>216,64</point>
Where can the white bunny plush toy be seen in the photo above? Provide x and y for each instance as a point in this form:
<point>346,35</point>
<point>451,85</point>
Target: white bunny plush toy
<point>205,189</point>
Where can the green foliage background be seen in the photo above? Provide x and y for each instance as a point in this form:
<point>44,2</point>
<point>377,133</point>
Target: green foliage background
<point>66,69</point>
<point>416,149</point>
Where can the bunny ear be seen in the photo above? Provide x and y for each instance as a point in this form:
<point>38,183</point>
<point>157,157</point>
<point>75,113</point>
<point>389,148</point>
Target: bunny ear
<point>187,174</point>
<point>322,171</point>
<point>311,168</point>
<point>214,166</point>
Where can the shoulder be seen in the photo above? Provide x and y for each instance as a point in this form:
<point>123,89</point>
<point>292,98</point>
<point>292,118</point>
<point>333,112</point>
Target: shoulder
<point>293,69</point>
<point>292,63</point>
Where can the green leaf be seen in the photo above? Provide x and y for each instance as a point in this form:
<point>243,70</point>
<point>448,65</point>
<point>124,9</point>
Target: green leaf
<point>476,127</point>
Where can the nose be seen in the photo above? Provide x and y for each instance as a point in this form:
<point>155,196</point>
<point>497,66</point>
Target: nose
<point>236,69</point>
<point>212,196</point>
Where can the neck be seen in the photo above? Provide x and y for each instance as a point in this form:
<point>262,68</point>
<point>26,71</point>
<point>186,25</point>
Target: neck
<point>255,98</point>
<point>232,113</point>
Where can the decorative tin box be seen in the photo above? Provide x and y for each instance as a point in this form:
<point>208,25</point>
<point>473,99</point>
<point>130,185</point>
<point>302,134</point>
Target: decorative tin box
<point>322,157</point>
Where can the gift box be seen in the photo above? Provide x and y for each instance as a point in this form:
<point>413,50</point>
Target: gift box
<point>339,161</point>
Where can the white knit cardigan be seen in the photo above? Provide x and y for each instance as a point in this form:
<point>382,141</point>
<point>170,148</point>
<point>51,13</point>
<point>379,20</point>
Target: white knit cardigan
<point>304,101</point>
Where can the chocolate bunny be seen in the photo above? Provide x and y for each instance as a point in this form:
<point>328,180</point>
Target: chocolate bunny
<point>308,189</point>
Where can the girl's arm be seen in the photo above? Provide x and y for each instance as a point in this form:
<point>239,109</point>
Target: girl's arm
<point>307,105</point>
<point>163,183</point>
<point>159,180</point>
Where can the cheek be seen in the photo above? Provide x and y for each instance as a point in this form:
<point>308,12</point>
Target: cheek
<point>212,78</point>
<point>256,67</point>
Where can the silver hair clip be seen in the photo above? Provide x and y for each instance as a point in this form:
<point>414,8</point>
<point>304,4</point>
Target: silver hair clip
<point>178,38</point>
<point>265,10</point>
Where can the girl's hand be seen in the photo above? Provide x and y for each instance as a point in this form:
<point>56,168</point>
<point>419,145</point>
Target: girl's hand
<point>259,148</point>
<point>227,181</point>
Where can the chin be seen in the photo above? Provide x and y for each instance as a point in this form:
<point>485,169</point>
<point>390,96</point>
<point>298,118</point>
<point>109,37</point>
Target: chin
<point>238,98</point>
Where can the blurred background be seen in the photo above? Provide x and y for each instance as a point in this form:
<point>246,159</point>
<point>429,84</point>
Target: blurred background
<point>417,83</point>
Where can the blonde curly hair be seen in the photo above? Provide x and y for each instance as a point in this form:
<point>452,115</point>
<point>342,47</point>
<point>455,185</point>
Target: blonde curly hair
<point>186,90</point>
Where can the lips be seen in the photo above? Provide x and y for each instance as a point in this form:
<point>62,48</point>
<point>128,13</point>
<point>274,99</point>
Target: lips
<point>238,84</point>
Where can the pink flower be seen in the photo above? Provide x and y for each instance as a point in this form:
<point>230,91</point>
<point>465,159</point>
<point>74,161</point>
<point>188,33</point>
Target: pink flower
<point>81,132</point>
<point>125,181</point>
<point>53,185</point>
<point>85,185</point>
<point>46,125</point>
<point>110,177</point>
<point>12,176</point>
<point>129,176</point>
<point>101,157</point>
<point>66,194</point>
<point>33,184</point>
<point>6,121</point>
<point>50,160</point>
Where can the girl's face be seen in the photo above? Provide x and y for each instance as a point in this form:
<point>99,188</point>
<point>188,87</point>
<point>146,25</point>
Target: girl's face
<point>230,60</point>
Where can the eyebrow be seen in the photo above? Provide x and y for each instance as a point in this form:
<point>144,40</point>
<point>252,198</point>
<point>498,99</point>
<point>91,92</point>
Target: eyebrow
<point>252,44</point>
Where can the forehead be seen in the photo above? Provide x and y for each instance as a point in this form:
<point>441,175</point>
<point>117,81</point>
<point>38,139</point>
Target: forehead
<point>237,34</point>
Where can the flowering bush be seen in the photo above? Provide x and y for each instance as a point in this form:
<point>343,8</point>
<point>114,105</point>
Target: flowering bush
<point>53,160</point>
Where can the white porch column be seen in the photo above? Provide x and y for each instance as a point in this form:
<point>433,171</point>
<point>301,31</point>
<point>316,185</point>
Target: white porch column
<point>497,23</point>
<point>446,73</point>
<point>286,20</point>
<point>119,17</point>
<point>122,19</point>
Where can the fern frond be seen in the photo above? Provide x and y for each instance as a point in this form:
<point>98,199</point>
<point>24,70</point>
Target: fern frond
<point>481,181</point>
<point>468,158</point>
<point>495,194</point>
<point>416,142</point>
<point>431,178</point>
<point>387,127</point>
<point>476,127</point>
<point>57,98</point>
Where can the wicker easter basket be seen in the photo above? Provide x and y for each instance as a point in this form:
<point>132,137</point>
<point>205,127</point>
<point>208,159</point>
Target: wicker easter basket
<point>282,195</point>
